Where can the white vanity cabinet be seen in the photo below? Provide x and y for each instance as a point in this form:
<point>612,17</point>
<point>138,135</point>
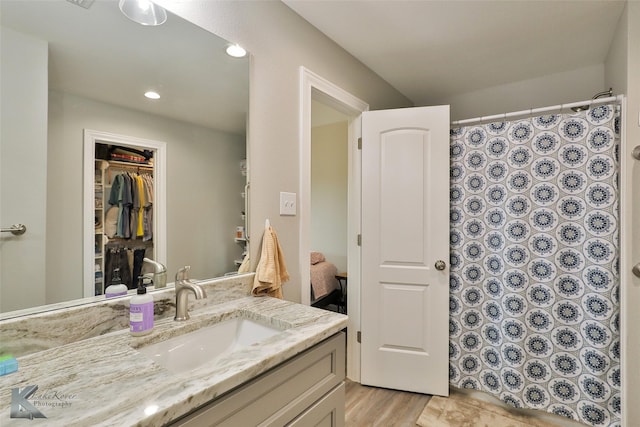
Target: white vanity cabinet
<point>307,390</point>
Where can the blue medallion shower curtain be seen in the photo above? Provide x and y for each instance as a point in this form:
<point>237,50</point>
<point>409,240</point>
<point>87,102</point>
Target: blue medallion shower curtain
<point>534,295</point>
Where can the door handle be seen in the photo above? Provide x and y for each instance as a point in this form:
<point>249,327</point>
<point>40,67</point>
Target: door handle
<point>15,229</point>
<point>440,265</point>
<point>636,270</point>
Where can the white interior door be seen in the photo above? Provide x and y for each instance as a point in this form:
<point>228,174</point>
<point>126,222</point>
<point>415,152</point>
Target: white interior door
<point>405,234</point>
<point>23,170</point>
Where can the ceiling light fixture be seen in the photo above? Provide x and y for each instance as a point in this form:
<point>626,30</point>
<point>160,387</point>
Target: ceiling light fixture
<point>143,12</point>
<point>236,51</point>
<point>152,95</point>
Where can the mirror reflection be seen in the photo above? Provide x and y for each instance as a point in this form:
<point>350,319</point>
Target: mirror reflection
<point>66,69</point>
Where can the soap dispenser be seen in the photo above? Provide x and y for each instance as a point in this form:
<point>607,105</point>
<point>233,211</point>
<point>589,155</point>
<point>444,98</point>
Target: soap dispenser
<point>116,288</point>
<point>141,311</point>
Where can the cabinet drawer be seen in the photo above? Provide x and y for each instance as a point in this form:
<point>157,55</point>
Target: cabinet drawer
<point>327,412</point>
<point>279,395</point>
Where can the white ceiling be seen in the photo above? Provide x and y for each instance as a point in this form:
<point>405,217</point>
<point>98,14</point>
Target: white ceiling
<point>429,50</point>
<point>100,54</point>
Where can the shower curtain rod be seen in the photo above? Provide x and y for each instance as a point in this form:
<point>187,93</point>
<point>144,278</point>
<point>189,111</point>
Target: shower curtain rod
<point>532,111</point>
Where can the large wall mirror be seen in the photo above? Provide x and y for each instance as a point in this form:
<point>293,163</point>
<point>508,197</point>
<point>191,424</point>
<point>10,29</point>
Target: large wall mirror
<point>68,68</point>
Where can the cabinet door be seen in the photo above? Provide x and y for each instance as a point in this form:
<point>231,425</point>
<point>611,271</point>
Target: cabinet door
<point>281,394</point>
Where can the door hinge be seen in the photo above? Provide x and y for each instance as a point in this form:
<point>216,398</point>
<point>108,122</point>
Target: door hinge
<point>359,336</point>
<point>360,143</point>
<point>359,239</point>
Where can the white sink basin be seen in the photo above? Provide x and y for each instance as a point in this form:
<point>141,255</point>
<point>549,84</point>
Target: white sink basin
<point>188,351</point>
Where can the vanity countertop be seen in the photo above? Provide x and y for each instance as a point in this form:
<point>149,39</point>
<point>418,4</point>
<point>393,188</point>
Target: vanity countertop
<point>105,381</point>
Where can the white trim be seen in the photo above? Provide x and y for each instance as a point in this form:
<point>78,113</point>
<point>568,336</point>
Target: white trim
<point>312,86</point>
<point>159,200</point>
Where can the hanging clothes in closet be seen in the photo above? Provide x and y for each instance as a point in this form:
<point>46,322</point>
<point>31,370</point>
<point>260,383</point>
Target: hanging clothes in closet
<point>132,195</point>
<point>129,224</point>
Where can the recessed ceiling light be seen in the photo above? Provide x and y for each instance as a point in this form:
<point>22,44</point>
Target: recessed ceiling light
<point>152,95</point>
<point>236,51</point>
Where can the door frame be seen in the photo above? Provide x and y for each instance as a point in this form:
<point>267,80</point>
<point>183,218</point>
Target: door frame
<point>91,137</point>
<point>313,86</point>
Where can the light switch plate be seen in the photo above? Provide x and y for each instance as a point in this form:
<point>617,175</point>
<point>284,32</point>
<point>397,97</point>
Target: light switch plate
<point>287,203</point>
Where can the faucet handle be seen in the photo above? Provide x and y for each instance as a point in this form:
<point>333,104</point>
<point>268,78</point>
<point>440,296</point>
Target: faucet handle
<point>183,274</point>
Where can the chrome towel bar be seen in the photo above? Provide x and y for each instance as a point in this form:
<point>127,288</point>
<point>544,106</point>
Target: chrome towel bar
<point>15,229</point>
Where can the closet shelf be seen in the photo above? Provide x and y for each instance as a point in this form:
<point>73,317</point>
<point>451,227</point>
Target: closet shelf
<point>117,164</point>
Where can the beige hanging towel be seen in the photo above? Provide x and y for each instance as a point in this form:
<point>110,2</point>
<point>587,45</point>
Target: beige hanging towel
<point>271,272</point>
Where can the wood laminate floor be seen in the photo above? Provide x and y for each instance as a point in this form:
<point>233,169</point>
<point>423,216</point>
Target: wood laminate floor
<point>378,407</point>
<point>371,406</point>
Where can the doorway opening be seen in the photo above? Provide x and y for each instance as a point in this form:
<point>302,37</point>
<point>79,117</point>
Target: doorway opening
<point>315,90</point>
<point>97,188</point>
<point>329,207</point>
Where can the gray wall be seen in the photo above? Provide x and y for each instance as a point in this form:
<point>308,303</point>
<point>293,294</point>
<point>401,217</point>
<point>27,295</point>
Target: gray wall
<point>543,91</point>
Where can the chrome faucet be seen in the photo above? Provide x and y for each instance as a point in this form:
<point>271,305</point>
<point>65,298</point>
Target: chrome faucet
<point>183,287</point>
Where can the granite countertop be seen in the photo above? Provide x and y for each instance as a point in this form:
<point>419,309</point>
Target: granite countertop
<point>104,380</point>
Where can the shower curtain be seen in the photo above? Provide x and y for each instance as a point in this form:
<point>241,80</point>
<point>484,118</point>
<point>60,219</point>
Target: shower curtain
<point>534,305</point>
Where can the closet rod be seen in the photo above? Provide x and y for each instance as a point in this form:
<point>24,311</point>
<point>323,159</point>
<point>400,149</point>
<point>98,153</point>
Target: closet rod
<point>537,110</point>
<point>125,166</point>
